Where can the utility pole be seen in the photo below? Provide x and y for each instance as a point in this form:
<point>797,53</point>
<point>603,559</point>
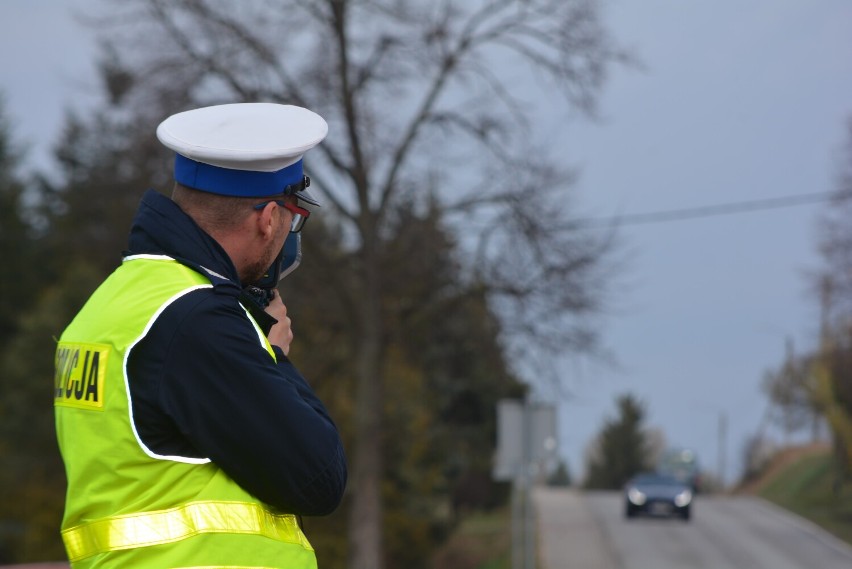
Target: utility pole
<point>723,434</point>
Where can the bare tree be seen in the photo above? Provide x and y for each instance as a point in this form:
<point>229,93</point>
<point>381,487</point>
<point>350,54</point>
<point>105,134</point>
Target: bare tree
<point>790,390</point>
<point>426,103</point>
<point>832,283</point>
<point>833,289</point>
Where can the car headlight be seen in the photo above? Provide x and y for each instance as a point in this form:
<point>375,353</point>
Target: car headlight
<point>683,499</point>
<point>636,497</point>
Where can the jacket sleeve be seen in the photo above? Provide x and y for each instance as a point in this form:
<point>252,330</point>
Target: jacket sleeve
<point>229,401</point>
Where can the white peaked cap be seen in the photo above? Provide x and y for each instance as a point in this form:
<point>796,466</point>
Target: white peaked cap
<point>243,149</point>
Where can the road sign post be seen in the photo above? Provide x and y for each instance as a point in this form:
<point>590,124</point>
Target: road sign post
<point>526,441</point>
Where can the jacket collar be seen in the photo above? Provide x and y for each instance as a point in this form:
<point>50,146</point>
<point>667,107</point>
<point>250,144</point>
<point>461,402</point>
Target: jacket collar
<point>161,227</point>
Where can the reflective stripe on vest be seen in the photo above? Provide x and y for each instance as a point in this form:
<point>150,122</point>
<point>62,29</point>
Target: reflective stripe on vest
<point>169,526</point>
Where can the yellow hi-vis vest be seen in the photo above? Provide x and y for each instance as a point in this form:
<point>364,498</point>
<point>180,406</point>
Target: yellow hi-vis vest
<point>126,505</point>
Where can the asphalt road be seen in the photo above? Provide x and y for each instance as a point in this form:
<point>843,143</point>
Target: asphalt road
<point>589,531</point>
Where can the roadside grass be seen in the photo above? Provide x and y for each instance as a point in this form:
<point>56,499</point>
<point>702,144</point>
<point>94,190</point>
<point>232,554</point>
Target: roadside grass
<point>805,487</point>
<point>481,541</point>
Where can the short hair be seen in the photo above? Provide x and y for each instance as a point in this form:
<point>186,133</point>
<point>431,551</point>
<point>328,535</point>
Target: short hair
<point>214,213</point>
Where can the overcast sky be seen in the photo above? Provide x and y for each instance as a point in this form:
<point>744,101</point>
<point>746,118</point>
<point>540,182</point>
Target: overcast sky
<point>738,101</point>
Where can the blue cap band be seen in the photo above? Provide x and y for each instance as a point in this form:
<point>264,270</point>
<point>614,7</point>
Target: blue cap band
<point>238,183</point>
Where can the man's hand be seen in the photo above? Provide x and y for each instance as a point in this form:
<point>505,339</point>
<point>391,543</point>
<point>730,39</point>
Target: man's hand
<point>281,334</point>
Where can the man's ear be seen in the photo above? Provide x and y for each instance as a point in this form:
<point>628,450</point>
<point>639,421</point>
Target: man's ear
<point>266,220</point>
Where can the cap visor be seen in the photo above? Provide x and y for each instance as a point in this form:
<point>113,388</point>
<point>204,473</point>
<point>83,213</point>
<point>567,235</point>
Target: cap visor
<point>305,195</point>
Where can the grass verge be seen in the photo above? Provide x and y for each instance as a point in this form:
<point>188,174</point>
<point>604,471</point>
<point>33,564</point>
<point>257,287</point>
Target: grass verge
<point>805,487</point>
<point>481,541</point>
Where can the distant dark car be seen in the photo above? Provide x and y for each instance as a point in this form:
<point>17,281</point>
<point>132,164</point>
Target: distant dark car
<point>657,495</point>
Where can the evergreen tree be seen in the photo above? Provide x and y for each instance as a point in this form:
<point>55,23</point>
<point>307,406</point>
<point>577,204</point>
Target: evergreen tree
<point>622,449</point>
<point>445,366</point>
<point>55,255</point>
<point>445,371</point>
<point>561,476</point>
<point>20,271</point>
<point>32,480</point>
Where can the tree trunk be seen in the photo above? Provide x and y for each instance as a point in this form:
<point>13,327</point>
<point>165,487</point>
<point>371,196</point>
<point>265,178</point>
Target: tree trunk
<point>365,523</point>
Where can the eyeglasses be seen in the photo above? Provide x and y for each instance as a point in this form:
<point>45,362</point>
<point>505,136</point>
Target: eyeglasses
<point>300,214</point>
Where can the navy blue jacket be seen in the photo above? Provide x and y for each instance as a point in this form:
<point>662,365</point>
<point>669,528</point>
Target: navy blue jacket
<point>202,386</point>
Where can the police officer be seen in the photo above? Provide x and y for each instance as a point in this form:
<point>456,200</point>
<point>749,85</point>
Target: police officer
<point>188,436</point>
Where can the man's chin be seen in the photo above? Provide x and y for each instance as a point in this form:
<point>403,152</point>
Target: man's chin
<point>253,275</point>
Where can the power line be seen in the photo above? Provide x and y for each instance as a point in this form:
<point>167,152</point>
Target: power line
<point>712,210</point>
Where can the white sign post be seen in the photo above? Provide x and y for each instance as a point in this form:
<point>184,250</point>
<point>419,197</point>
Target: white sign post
<point>526,440</point>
